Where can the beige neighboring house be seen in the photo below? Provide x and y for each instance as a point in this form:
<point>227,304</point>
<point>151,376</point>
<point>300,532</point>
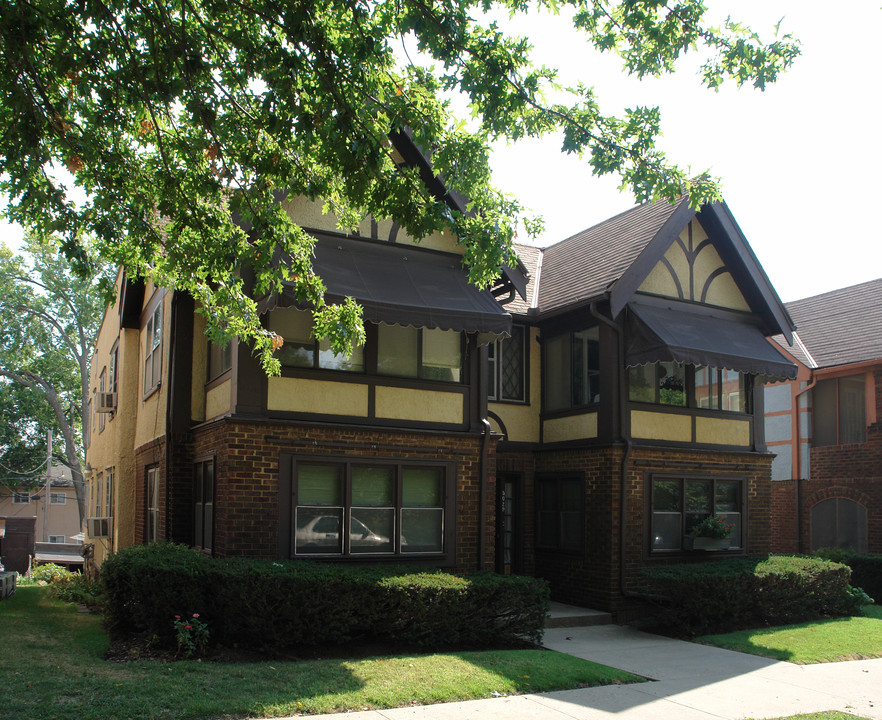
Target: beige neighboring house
<point>57,534</point>
<point>113,422</point>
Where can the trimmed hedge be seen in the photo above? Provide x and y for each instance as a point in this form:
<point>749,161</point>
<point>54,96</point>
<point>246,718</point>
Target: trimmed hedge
<point>266,605</point>
<point>866,569</point>
<point>740,593</point>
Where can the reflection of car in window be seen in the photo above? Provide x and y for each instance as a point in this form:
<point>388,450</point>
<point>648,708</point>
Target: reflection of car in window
<point>319,532</point>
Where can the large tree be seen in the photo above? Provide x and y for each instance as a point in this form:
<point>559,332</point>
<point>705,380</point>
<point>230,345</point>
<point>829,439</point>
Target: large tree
<point>181,118</point>
<point>50,320</point>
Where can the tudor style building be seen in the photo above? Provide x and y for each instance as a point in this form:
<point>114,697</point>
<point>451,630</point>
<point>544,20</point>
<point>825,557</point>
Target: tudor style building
<point>574,426</point>
<point>825,425</point>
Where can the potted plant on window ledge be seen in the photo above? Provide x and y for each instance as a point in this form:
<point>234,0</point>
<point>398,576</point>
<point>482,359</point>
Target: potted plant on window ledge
<point>712,533</point>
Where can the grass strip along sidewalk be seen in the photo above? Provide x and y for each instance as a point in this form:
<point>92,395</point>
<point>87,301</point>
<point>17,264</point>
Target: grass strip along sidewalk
<point>52,667</point>
<point>848,638</point>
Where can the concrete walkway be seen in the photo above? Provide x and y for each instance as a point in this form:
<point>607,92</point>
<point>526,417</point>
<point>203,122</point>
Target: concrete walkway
<point>689,682</point>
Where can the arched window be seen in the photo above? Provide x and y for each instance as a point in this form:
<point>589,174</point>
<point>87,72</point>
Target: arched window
<point>840,523</point>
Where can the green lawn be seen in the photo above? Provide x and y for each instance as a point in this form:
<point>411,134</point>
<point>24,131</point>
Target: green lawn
<point>51,666</point>
<point>849,638</point>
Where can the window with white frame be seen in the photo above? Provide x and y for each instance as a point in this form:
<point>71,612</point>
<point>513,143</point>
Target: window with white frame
<point>98,495</point>
<point>153,349</point>
<point>57,538</point>
<point>21,498</point>
<point>57,498</point>
<point>108,493</point>
<point>507,360</point>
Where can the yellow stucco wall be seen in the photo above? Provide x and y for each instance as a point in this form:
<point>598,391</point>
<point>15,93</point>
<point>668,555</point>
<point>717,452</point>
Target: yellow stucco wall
<point>522,421</point>
<point>308,213</point>
<point>317,396</point>
<point>573,427</point>
<point>407,404</point>
<point>693,267</point>
<point>113,448</point>
<point>722,431</point>
<point>661,426</point>
<point>218,400</point>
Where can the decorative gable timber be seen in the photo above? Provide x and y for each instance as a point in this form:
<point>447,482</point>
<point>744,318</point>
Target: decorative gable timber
<point>734,252</point>
<point>692,269</point>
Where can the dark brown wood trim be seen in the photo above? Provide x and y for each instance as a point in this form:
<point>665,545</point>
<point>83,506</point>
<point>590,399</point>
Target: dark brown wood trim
<point>219,380</point>
<point>384,423</point>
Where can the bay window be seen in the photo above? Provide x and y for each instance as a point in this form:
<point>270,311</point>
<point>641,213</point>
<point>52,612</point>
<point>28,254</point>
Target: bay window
<point>696,386</point>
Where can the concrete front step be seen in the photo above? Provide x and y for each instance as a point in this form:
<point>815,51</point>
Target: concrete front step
<point>564,616</point>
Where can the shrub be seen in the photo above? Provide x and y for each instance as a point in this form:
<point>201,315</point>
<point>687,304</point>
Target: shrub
<point>748,592</point>
<point>267,605</point>
<point>77,588</point>
<point>866,569</point>
<point>50,573</point>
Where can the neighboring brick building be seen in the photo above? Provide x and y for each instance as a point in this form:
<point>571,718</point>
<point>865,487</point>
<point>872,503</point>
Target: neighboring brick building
<point>824,426</point>
<point>576,429</point>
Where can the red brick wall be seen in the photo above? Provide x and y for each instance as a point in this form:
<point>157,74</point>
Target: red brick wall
<point>247,471</point>
<point>848,471</point>
<point>592,578</point>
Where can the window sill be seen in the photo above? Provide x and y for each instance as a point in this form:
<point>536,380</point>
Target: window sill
<point>152,391</point>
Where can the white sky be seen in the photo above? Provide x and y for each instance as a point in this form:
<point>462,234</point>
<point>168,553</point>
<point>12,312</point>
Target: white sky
<point>799,163</point>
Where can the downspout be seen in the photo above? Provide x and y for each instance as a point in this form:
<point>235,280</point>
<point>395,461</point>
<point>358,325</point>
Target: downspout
<point>796,427</point>
<point>626,438</point>
<point>482,502</point>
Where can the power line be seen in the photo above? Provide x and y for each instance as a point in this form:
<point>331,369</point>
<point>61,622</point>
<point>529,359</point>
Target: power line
<point>30,472</point>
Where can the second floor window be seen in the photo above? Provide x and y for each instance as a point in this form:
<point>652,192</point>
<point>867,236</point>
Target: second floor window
<point>680,385</point>
<point>572,370</point>
<point>839,411</point>
<point>507,371</point>
<point>20,498</point>
<point>302,351</point>
<point>153,350</point>
<point>57,499</point>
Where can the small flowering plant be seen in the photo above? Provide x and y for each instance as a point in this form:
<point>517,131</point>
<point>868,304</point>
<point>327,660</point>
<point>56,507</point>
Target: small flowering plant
<point>712,526</point>
<point>192,634</point>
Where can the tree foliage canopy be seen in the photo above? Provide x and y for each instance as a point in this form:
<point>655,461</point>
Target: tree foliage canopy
<point>180,119</point>
<point>51,318</point>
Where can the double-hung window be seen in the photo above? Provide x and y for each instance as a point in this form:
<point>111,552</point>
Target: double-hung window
<point>152,519</point>
<point>839,411</point>
<point>57,499</point>
<point>679,504</point>
<point>102,387</point>
<point>507,367</point>
<point>572,369</point>
<point>560,512</point>
<point>21,498</point>
<point>428,354</point>
<point>300,349</point>
<point>359,508</point>
<point>153,349</point>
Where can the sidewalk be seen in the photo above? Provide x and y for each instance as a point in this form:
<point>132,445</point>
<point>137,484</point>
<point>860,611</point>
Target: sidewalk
<point>689,682</point>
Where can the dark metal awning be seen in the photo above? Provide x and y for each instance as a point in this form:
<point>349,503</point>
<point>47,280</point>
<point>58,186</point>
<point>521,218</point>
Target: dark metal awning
<point>402,285</point>
<point>715,339</point>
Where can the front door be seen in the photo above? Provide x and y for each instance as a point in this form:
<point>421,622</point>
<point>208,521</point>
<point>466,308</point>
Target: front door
<point>508,524</point>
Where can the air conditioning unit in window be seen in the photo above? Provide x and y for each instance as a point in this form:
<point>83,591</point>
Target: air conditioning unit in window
<point>105,402</point>
<point>99,526</point>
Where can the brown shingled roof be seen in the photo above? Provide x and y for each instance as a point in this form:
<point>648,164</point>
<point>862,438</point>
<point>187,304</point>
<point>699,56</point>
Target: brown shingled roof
<point>842,326</point>
<point>585,265</point>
